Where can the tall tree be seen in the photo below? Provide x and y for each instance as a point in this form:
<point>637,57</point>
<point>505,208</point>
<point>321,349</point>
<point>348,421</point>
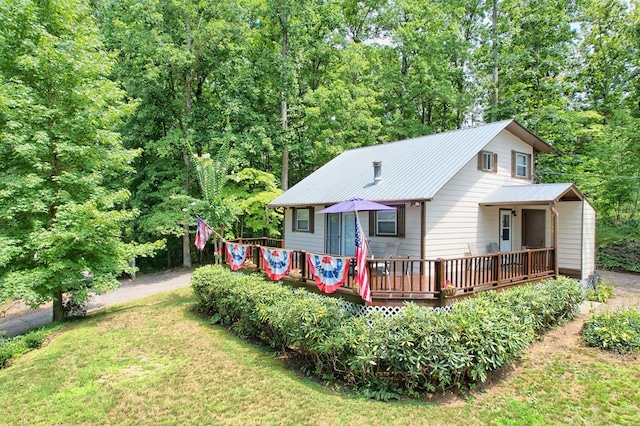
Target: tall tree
<point>62,164</point>
<point>535,45</point>
<point>174,57</point>
<point>604,73</point>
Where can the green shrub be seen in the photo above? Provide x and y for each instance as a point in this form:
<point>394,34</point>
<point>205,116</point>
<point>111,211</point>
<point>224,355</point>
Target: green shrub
<point>418,349</point>
<point>613,331</point>
<point>623,254</point>
<point>600,293</point>
<point>13,347</point>
<point>6,352</point>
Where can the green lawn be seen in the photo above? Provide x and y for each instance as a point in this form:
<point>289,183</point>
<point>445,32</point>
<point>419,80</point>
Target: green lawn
<point>154,362</point>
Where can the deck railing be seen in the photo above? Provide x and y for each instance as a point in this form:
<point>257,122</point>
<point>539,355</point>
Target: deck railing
<point>423,279</point>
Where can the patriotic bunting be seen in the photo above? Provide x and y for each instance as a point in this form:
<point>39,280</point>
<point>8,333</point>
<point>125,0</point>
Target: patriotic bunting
<point>277,262</point>
<point>236,255</point>
<point>328,272</point>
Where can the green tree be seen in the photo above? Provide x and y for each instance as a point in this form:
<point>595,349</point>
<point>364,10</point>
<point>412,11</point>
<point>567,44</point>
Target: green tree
<point>254,189</point>
<point>534,43</point>
<point>63,165</point>
<point>177,59</point>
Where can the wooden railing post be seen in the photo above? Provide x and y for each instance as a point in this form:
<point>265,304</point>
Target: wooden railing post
<point>498,269</point>
<point>529,264</point>
<point>440,274</point>
<point>302,263</point>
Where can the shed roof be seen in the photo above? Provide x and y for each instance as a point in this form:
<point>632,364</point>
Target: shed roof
<point>533,194</point>
<point>412,169</point>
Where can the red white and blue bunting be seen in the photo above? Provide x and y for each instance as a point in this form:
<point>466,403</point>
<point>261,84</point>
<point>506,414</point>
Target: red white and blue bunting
<point>277,262</point>
<point>328,272</point>
<point>236,255</point>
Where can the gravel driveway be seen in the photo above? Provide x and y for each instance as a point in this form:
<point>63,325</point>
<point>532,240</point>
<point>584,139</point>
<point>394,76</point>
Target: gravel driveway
<point>19,319</point>
<point>626,287</point>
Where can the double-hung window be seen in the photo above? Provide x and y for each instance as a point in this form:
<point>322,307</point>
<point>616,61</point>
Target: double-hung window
<point>302,219</point>
<point>488,161</point>
<point>388,223</point>
<point>521,165</point>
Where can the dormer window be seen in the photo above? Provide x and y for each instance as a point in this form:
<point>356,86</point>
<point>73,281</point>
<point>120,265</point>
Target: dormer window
<point>488,161</point>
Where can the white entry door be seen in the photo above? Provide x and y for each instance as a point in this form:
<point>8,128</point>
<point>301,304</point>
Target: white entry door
<point>505,230</point>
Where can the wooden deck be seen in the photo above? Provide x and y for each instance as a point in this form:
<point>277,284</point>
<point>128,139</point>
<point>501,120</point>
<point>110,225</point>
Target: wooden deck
<point>394,281</point>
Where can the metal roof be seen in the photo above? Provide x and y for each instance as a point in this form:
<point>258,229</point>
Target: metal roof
<point>412,169</point>
<point>533,194</point>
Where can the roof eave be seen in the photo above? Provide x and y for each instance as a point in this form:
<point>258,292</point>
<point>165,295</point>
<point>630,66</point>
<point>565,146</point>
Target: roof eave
<point>531,138</point>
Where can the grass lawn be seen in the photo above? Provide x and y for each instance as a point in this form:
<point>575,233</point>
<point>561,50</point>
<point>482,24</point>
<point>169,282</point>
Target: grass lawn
<point>154,362</point>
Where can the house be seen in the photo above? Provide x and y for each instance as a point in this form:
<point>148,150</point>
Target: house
<point>455,193</point>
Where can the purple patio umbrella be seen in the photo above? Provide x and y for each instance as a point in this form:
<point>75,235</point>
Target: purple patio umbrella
<point>355,205</point>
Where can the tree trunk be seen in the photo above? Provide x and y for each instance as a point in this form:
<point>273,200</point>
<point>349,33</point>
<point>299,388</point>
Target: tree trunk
<point>186,248</point>
<point>494,47</point>
<point>285,150</point>
<point>283,107</point>
<point>58,311</point>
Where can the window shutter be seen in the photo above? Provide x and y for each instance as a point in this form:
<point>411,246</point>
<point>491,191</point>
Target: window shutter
<point>293,219</point>
<point>481,160</point>
<point>529,166</point>
<point>495,163</point>
<point>400,215</point>
<point>372,224</point>
<point>311,221</point>
<point>513,164</point>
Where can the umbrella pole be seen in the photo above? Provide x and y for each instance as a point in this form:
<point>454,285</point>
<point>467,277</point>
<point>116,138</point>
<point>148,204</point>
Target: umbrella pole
<point>363,237</point>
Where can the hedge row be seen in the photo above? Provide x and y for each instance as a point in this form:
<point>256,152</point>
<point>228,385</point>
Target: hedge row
<point>418,349</point>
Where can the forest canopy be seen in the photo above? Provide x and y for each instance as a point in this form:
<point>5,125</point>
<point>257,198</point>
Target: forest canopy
<point>273,89</point>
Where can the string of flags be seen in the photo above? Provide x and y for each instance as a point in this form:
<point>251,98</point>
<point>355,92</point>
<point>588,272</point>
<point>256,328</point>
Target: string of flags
<point>328,272</point>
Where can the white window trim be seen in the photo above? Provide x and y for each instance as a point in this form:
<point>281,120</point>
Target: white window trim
<point>308,220</point>
<point>488,156</point>
<point>395,225</point>
<point>526,166</point>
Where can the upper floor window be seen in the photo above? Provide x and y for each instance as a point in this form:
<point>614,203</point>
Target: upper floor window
<point>488,161</point>
<point>521,165</point>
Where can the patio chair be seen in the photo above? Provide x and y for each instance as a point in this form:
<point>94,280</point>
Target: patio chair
<point>494,248</point>
<point>479,263</point>
<point>390,250</point>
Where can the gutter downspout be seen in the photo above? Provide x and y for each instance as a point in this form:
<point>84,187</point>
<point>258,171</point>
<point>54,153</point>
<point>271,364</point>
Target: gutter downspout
<point>554,224</point>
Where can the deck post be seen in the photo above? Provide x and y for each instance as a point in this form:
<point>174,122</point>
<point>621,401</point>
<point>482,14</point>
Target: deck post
<point>440,274</point>
<point>302,263</point>
<point>529,264</point>
<point>498,267</point>
<point>256,256</point>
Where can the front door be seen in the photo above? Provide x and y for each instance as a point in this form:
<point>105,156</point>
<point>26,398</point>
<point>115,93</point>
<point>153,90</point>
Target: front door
<point>505,230</point>
<point>533,228</point>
